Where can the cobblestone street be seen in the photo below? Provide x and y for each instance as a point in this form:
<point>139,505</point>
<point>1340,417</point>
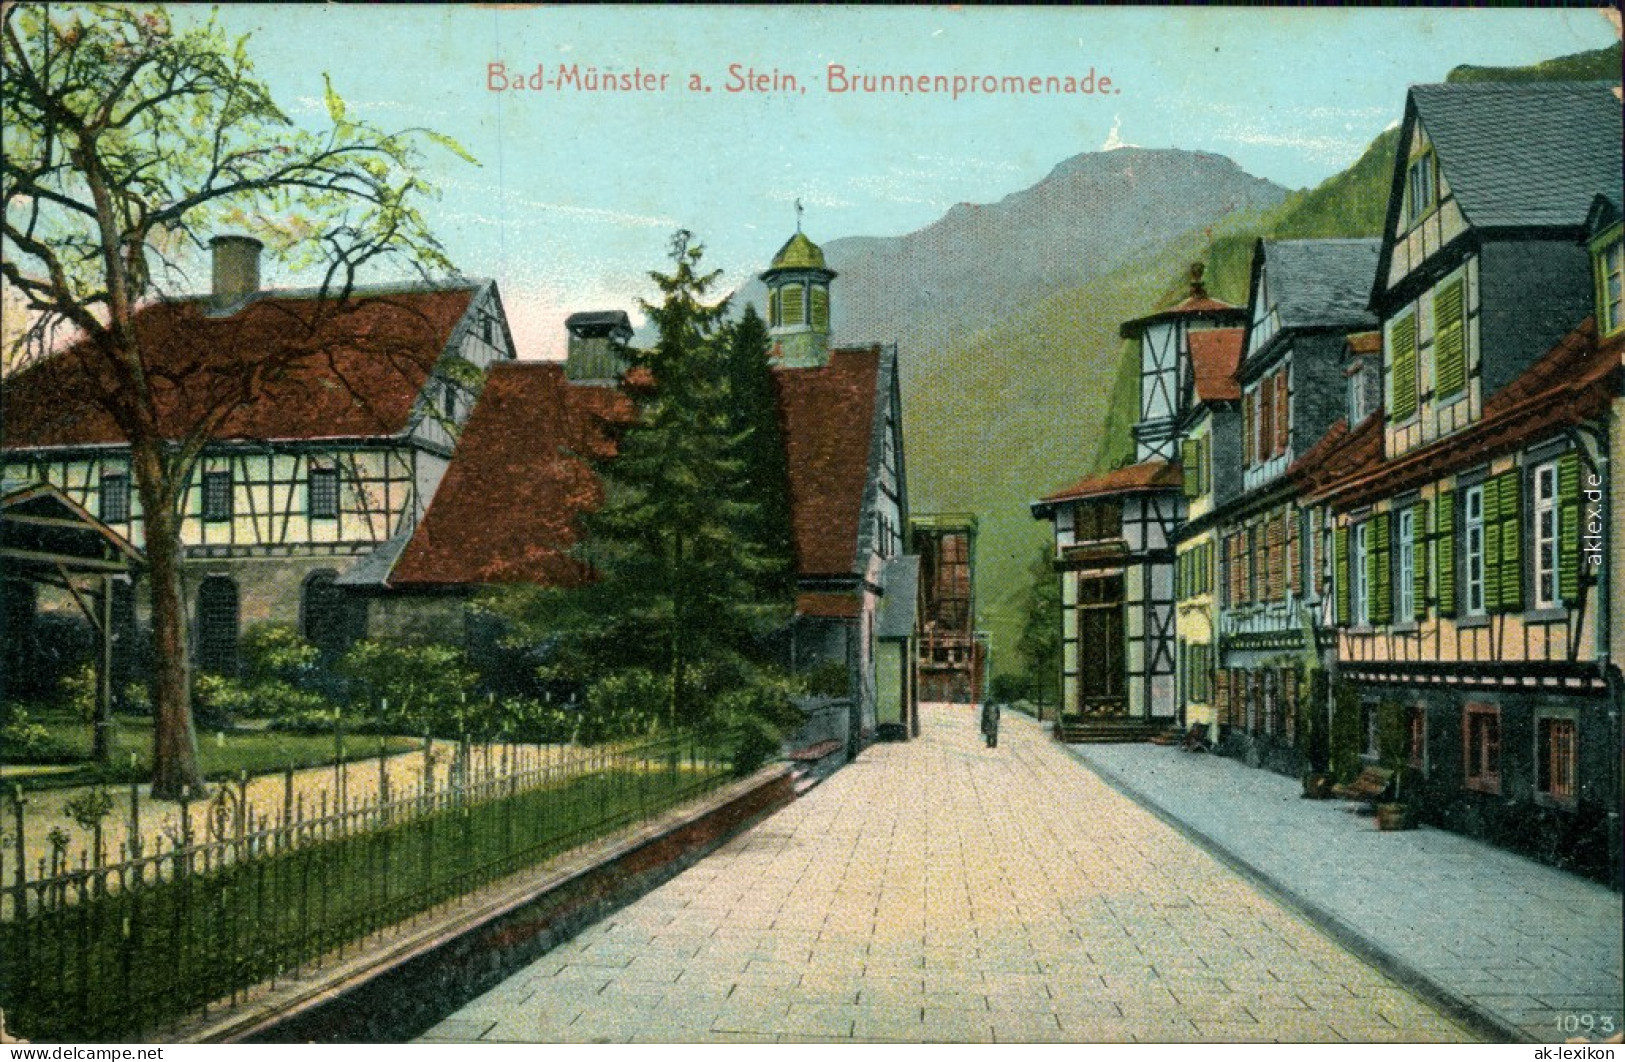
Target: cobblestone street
<point>939,890</point>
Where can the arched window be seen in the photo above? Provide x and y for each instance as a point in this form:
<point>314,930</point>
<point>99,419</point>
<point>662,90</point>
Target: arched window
<point>331,619</point>
<point>217,625</point>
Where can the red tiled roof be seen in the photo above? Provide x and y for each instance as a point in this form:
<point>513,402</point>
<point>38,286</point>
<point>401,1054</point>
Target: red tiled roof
<point>1339,453</point>
<point>1574,381</point>
<point>829,606</point>
<point>1215,353</point>
<point>1198,304</point>
<point>1201,304</point>
<point>358,374</point>
<point>508,507</point>
<point>1145,476</point>
<point>828,417</point>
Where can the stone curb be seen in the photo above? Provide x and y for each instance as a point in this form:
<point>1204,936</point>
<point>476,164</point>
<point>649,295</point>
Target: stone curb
<point>1478,1019</point>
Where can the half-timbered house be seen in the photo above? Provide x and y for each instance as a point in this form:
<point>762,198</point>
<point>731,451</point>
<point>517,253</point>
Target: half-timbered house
<point>1305,298</point>
<point>1210,445</point>
<point>1466,588</point>
<point>508,511</point>
<point>1115,536</point>
<point>339,452</point>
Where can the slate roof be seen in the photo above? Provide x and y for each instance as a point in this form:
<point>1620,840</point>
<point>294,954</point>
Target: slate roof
<point>1517,154</point>
<point>1575,380</point>
<point>1321,283</point>
<point>1215,355</point>
<point>899,607</point>
<point>358,375</point>
<point>828,418</point>
<point>509,505</point>
<point>599,323</point>
<point>1145,477</point>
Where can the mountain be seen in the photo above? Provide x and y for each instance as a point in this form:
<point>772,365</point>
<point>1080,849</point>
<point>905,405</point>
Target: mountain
<point>980,262</point>
<point>1006,314</point>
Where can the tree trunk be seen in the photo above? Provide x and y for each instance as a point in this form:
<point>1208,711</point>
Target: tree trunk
<point>174,741</point>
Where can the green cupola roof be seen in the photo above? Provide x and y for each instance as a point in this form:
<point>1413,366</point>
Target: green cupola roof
<point>799,252</point>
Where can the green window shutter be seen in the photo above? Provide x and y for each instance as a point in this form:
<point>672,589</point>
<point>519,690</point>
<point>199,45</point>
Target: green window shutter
<point>1492,544</point>
<point>792,304</point>
<point>1419,576</point>
<point>1449,340</point>
<point>1380,572</point>
<point>1510,575</point>
<point>1190,463</point>
<point>773,307</point>
<point>1340,568</point>
<point>1568,527</point>
<point>1444,541</point>
<point>1204,449</point>
<point>820,307</point>
<point>1403,341</point>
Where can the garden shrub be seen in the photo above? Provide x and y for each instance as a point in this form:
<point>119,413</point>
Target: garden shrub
<point>24,741</point>
<point>277,652</point>
<point>1345,736</point>
<point>758,714</point>
<point>625,704</point>
<point>829,679</point>
<point>417,689</point>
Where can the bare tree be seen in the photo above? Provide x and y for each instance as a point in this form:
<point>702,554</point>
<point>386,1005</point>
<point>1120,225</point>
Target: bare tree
<point>128,142</point>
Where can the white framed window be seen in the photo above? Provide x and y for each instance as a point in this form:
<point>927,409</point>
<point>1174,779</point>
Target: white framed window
<point>1420,186</point>
<point>1610,269</point>
<point>1405,558</point>
<point>1545,536</point>
<point>1473,549</point>
<point>1359,577</point>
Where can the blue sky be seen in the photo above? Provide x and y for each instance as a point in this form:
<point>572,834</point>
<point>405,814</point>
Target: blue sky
<point>577,193</point>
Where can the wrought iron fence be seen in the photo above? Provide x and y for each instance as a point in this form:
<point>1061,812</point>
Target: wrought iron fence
<point>115,950</point>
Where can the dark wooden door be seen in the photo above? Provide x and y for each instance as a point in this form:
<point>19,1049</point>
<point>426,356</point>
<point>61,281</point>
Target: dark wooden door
<point>1102,670</point>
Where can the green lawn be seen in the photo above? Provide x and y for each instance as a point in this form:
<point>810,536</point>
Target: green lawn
<point>223,754</point>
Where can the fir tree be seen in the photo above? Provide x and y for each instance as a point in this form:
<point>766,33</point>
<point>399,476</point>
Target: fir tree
<point>678,559</point>
<point>1040,641</point>
<point>766,474</point>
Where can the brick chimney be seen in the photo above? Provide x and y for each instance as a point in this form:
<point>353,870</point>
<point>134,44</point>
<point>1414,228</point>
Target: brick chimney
<point>236,267</point>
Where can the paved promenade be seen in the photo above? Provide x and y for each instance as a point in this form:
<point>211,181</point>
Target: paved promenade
<point>939,890</point>
<point>1528,949</point>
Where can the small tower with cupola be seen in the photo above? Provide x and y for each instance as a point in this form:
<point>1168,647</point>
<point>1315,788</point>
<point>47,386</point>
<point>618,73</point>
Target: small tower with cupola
<point>798,304</point>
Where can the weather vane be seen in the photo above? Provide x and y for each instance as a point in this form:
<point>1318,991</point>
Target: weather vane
<point>798,213</point>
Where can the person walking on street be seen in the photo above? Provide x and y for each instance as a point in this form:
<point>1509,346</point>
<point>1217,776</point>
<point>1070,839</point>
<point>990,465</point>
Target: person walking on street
<point>990,724</point>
